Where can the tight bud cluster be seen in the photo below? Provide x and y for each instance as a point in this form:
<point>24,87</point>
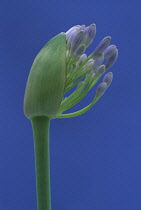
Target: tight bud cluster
<point>62,65</point>
<point>84,71</point>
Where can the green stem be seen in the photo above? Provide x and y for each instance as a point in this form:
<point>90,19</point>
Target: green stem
<point>40,126</point>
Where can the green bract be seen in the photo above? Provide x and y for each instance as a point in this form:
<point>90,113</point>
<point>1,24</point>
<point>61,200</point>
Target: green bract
<point>46,81</point>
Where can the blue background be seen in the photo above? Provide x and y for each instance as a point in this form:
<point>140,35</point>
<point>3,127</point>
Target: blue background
<point>95,158</point>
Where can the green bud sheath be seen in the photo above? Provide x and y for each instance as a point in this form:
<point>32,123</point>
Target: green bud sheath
<point>46,81</point>
<point>43,95</point>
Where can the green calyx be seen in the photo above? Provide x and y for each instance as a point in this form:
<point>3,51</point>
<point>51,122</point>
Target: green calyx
<point>46,81</point>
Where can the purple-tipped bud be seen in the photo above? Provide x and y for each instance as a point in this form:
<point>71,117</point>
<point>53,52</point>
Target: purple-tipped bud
<point>70,36</point>
<point>98,61</point>
<point>91,60</point>
<point>101,89</point>
<point>76,41</point>
<point>111,60</point>
<point>79,51</point>
<point>101,47</point>
<point>83,57</point>
<point>89,34</point>
<point>100,71</point>
<point>71,33</point>
<point>92,78</point>
<point>108,78</point>
<point>109,51</point>
<point>90,64</point>
<point>82,27</point>
<point>72,29</point>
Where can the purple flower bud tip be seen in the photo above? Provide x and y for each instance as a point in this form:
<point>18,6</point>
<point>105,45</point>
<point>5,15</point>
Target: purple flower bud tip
<point>79,51</point>
<point>72,33</point>
<point>83,57</point>
<point>82,27</point>
<point>92,30</point>
<point>99,60</point>
<point>72,29</point>
<point>90,64</point>
<point>108,78</point>
<point>109,51</point>
<point>101,89</point>
<point>111,60</point>
<point>100,71</point>
<point>76,41</point>
<point>92,77</point>
<point>93,24</point>
<point>89,34</point>
<point>101,47</point>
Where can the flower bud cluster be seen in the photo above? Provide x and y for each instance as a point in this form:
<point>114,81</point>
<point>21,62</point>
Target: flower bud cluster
<point>84,71</point>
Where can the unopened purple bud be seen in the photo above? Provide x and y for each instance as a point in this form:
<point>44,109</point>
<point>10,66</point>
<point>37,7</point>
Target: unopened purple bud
<point>91,60</point>
<point>83,57</point>
<point>72,29</point>
<point>101,47</point>
<point>90,64</point>
<point>76,41</point>
<point>99,60</point>
<point>92,78</point>
<point>70,36</point>
<point>71,33</point>
<point>111,60</point>
<point>79,51</point>
<point>82,27</point>
<point>108,78</point>
<point>89,34</point>
<point>101,89</point>
<point>109,51</point>
<point>100,71</point>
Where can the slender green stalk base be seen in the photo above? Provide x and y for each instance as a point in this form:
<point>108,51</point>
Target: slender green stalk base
<point>40,126</point>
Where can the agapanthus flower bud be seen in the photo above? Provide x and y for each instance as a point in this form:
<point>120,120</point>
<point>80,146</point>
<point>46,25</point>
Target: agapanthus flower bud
<point>83,57</point>
<point>79,51</point>
<point>100,71</point>
<point>72,29</point>
<point>89,34</point>
<point>101,47</point>
<point>70,34</point>
<point>101,89</point>
<point>98,61</point>
<point>108,78</point>
<point>61,66</point>
<point>76,41</point>
<point>90,64</point>
<point>111,60</point>
<point>109,51</point>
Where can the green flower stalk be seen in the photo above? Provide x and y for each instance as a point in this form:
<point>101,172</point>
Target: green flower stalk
<point>60,66</point>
